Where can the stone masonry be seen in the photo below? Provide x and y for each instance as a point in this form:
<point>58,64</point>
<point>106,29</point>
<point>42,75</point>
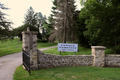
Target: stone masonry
<point>99,56</point>
<point>50,61</point>
<point>30,46</point>
<point>112,61</point>
<point>40,60</point>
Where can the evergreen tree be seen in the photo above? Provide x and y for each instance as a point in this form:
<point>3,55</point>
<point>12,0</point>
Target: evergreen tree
<point>22,28</point>
<point>30,17</point>
<point>5,25</point>
<point>79,29</point>
<point>48,27</point>
<point>34,19</point>
<point>39,18</point>
<point>63,20</point>
<point>51,23</point>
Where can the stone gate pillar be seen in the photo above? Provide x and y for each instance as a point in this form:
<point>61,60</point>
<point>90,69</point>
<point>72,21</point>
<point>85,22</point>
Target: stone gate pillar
<point>99,56</point>
<point>29,39</point>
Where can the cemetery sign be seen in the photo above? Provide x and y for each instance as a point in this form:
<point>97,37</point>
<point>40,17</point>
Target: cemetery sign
<point>67,47</point>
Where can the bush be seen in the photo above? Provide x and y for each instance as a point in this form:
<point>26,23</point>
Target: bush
<point>42,40</point>
<point>116,49</point>
<point>39,36</point>
<point>19,30</point>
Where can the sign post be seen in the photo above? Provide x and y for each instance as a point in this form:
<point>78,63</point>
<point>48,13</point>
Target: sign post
<point>60,52</point>
<point>67,47</point>
<point>74,53</point>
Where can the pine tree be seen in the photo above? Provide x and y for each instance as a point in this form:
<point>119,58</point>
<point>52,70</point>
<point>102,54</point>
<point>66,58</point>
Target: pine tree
<point>63,20</point>
<point>30,17</point>
<point>51,23</point>
<point>5,24</point>
<point>39,19</point>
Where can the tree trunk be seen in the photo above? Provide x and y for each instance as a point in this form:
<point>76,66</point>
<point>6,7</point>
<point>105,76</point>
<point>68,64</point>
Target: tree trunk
<point>65,21</point>
<point>115,40</point>
<point>64,39</point>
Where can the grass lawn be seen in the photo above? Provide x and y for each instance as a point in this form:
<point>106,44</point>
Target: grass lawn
<point>69,73</point>
<point>16,46</point>
<point>82,51</point>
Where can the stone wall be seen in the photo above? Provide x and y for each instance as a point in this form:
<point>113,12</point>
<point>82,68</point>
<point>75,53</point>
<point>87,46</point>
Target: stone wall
<point>50,61</point>
<point>97,59</point>
<point>40,60</point>
<point>112,61</point>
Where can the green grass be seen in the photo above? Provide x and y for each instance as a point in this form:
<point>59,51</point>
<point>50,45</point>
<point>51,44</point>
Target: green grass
<point>69,73</point>
<point>82,51</point>
<point>15,45</point>
<point>108,51</point>
<point>43,45</point>
<point>10,47</point>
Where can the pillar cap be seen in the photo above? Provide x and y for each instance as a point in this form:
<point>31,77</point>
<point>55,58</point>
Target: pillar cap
<point>28,29</point>
<point>29,32</point>
<point>98,47</point>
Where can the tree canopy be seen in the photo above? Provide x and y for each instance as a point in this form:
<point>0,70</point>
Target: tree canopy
<point>19,30</point>
<point>102,23</point>
<point>36,20</point>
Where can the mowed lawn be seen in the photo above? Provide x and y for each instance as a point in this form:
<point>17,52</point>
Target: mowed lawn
<point>13,46</point>
<point>69,73</point>
<point>82,51</point>
<point>10,46</point>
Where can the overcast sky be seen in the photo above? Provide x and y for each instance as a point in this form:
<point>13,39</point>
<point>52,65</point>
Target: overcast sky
<point>18,9</point>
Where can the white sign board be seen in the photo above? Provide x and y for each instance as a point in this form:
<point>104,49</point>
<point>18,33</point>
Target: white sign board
<point>67,47</point>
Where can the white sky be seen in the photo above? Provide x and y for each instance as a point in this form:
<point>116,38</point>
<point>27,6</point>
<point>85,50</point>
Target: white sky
<point>18,9</point>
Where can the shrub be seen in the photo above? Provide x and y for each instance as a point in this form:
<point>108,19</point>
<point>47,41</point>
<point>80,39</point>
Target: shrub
<point>42,40</point>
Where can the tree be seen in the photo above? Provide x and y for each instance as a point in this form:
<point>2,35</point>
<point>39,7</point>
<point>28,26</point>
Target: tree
<point>116,23</point>
<point>5,24</point>
<point>22,28</point>
<point>79,29</point>
<point>35,19</point>
<point>48,27</point>
<point>30,17</point>
<point>63,20</point>
<point>95,11</point>
<point>102,23</point>
<point>39,18</point>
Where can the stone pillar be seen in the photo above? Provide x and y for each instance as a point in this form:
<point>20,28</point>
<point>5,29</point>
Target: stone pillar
<point>30,46</point>
<point>99,56</point>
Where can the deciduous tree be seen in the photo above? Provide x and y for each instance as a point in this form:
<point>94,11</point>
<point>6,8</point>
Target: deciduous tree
<point>103,22</point>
